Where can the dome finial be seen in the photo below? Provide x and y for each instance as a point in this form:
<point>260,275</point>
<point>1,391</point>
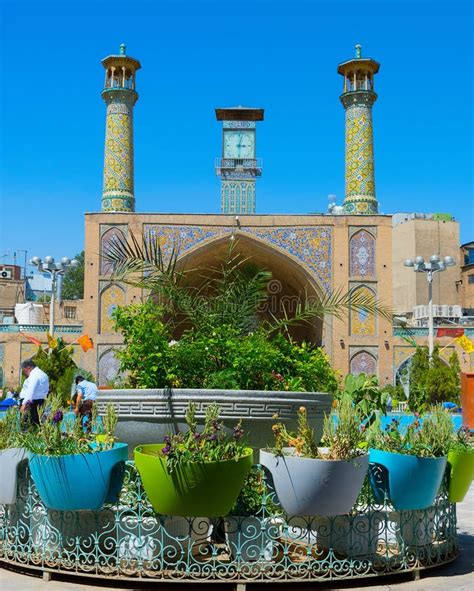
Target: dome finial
<point>122,48</point>
<point>358,49</point>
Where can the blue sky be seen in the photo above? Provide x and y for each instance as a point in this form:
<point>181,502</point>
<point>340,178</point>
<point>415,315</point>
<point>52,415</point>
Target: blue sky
<point>198,55</point>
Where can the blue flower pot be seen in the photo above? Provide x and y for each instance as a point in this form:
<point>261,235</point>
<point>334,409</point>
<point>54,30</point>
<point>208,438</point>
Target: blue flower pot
<point>408,482</point>
<point>81,481</point>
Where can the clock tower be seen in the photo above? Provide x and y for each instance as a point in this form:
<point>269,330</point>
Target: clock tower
<point>238,167</point>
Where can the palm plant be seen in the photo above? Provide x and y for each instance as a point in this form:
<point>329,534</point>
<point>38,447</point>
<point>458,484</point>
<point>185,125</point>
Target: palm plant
<point>231,292</point>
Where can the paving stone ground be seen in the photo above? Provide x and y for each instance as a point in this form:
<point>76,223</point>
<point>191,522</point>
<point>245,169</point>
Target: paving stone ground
<point>457,576</point>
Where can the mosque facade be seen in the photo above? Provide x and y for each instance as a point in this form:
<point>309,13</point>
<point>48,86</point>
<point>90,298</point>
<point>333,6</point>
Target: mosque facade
<point>316,254</point>
<point>352,248</point>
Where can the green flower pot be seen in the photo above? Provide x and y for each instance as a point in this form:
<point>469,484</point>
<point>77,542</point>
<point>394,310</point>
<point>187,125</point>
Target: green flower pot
<point>461,465</point>
<point>200,489</point>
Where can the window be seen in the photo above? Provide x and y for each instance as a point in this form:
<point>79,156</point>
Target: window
<point>470,278</point>
<point>70,311</point>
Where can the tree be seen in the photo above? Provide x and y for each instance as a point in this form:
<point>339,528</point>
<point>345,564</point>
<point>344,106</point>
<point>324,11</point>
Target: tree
<point>73,286</point>
<point>60,368</point>
<point>433,381</point>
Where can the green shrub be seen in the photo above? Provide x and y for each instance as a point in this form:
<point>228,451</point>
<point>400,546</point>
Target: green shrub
<point>433,381</point>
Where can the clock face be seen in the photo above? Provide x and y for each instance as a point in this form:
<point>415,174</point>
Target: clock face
<point>239,144</point>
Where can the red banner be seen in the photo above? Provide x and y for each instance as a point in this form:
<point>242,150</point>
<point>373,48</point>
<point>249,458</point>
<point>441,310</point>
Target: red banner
<point>450,332</point>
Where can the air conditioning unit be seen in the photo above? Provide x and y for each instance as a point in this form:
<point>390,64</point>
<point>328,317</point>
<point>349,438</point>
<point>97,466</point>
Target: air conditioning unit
<point>453,311</point>
<point>6,274</point>
<point>420,312</point>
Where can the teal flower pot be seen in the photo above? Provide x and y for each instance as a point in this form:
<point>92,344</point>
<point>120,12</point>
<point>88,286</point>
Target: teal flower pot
<point>408,482</point>
<point>81,481</point>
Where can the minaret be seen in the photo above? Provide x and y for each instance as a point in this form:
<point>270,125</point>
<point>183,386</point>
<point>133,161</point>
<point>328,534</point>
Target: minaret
<point>238,167</point>
<point>358,97</point>
<point>120,97</point>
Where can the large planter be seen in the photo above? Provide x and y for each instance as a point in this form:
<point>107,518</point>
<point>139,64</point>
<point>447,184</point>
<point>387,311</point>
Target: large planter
<point>307,486</point>
<point>81,481</point>
<point>202,488</point>
<point>408,482</point>
<point>461,466</point>
<point>146,416</point>
<point>9,460</point>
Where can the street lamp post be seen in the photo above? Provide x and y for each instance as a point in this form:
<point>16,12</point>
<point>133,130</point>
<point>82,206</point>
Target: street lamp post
<point>435,265</point>
<point>54,269</point>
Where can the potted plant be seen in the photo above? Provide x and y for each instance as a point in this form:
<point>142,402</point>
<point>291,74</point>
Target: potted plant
<point>253,525</point>
<point>195,473</point>
<point>407,469</point>
<point>461,465</point>
<point>11,454</point>
<point>70,468</point>
<point>312,480</point>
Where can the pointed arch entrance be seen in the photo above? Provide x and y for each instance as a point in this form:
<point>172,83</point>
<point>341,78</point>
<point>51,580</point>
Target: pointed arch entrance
<point>290,279</point>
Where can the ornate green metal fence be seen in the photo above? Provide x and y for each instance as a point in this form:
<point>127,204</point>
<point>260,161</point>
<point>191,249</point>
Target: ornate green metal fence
<point>129,541</point>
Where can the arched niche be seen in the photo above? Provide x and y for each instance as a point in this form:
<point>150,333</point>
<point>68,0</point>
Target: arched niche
<point>363,362</point>
<point>107,239</point>
<point>362,323</point>
<point>111,297</point>
<point>290,281</point>
<point>108,367</point>
<point>362,255</point>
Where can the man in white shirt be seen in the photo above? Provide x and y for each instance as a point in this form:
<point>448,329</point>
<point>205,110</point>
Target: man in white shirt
<point>34,391</point>
<point>86,396</point>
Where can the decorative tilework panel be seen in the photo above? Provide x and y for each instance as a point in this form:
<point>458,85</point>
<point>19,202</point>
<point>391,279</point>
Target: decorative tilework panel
<point>106,267</point>
<point>312,246</point>
<point>238,196</point>
<point>110,298</point>
<point>118,191</point>
<point>401,354</point>
<point>363,362</point>
<point>360,179</point>
<point>361,322</point>
<point>108,367</point>
<point>118,153</point>
<point>362,255</point>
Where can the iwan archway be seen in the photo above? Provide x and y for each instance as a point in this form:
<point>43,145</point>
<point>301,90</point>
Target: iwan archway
<point>290,283</point>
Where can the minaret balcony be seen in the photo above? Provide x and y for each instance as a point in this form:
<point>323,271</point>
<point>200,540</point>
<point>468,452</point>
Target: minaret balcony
<point>253,165</point>
<point>118,83</point>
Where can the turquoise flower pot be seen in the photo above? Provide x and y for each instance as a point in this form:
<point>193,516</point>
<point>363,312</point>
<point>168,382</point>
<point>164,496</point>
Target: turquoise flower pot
<point>81,481</point>
<point>408,482</point>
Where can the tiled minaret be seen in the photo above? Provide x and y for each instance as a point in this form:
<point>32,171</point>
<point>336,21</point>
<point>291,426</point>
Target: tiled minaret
<point>120,97</point>
<point>358,97</point>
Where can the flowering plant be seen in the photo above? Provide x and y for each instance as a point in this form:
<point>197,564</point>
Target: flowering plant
<point>342,434</point>
<point>212,444</point>
<point>462,441</point>
<point>57,436</point>
<point>430,437</point>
